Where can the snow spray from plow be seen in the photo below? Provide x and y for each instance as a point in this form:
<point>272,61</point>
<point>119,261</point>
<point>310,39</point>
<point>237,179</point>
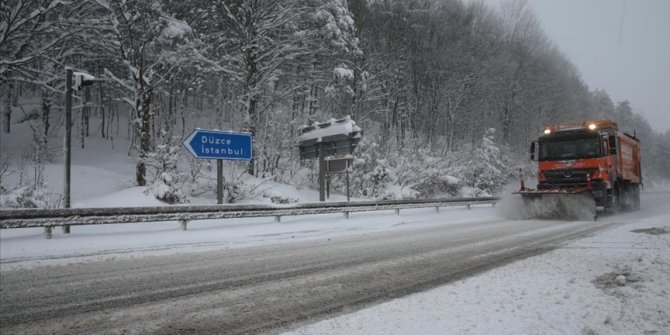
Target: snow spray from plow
<point>568,206</point>
<point>533,204</point>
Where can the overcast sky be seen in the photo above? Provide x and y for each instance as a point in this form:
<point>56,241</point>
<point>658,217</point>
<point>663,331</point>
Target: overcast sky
<point>621,46</point>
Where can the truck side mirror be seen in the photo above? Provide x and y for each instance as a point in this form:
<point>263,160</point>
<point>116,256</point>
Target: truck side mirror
<point>612,145</point>
<point>533,152</point>
<point>605,147</point>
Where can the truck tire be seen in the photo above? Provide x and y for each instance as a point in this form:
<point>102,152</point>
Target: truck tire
<point>615,201</point>
<point>630,197</point>
<point>625,200</point>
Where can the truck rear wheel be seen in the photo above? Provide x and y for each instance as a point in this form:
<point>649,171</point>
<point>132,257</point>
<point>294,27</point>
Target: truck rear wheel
<point>630,197</point>
<point>615,201</point>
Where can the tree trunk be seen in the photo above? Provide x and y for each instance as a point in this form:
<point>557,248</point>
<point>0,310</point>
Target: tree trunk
<point>312,105</point>
<point>251,86</point>
<point>506,122</point>
<point>85,112</point>
<point>8,108</point>
<point>46,113</point>
<point>102,113</point>
<point>252,130</point>
<point>42,138</point>
<point>144,111</point>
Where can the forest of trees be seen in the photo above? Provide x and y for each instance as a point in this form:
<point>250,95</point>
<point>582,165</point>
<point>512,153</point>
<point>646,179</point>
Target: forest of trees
<point>431,82</point>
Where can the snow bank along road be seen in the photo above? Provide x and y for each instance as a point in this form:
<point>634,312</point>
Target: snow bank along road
<point>267,288</point>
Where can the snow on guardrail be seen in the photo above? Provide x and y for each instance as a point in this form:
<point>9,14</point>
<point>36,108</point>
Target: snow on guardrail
<point>48,218</point>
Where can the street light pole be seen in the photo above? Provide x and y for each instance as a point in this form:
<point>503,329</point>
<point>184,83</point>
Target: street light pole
<point>68,142</point>
<point>68,137</point>
<point>82,79</point>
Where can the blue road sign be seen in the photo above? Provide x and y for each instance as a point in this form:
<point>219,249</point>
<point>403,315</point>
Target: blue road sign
<point>215,144</point>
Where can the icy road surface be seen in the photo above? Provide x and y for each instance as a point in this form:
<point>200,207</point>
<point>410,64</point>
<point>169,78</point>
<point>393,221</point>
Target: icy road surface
<point>272,287</point>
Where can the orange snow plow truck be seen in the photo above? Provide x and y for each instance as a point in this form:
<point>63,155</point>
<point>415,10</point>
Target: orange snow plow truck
<point>582,167</point>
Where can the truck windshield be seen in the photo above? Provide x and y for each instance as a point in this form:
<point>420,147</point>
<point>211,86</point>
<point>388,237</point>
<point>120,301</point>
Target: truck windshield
<point>574,148</point>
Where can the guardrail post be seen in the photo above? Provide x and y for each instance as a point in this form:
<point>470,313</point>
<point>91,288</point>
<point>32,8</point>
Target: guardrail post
<point>468,206</point>
<point>47,232</point>
<point>346,215</point>
<point>277,218</point>
<point>66,228</point>
<point>437,209</point>
<point>397,211</point>
<point>183,223</point>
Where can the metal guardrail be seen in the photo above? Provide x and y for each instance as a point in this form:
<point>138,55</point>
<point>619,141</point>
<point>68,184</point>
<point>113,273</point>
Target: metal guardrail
<point>48,218</point>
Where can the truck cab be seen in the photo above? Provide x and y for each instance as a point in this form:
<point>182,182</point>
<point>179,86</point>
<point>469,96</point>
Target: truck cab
<point>591,156</point>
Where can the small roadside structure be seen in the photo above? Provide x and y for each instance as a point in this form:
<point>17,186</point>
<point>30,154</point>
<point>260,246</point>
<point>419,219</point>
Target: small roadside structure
<point>336,139</point>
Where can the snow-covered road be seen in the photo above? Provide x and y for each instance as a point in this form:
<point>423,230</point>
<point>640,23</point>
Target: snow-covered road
<point>249,276</point>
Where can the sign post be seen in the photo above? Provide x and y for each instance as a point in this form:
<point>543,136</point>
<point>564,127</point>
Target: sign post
<point>219,145</point>
<point>341,165</point>
<point>348,194</point>
<point>219,181</point>
<point>322,172</point>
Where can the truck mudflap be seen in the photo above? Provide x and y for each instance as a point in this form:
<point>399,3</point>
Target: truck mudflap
<point>559,204</point>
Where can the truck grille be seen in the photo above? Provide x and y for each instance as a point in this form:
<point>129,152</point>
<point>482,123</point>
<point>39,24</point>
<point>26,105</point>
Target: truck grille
<point>567,176</point>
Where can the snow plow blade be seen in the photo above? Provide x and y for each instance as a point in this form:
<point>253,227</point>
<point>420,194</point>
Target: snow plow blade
<point>559,205</point>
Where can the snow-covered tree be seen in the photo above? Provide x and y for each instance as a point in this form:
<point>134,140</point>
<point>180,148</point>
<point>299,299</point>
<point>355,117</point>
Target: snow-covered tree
<point>371,174</point>
<point>329,67</point>
<point>486,169</point>
<point>254,41</point>
<point>28,33</point>
<point>37,40</point>
<point>169,180</point>
<point>150,46</point>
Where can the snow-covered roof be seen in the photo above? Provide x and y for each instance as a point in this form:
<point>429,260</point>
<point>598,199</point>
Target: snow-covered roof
<point>332,127</point>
